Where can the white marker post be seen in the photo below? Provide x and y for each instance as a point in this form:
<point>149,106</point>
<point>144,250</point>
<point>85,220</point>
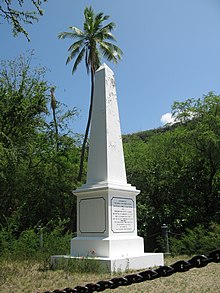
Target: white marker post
<point>106,204</point>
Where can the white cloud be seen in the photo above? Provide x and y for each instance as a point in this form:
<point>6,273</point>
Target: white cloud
<point>167,118</point>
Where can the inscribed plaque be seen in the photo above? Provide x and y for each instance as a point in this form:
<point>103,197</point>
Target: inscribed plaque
<point>122,215</point>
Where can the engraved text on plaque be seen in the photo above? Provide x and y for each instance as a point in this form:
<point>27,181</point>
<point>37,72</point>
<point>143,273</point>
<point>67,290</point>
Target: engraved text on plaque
<point>122,215</point>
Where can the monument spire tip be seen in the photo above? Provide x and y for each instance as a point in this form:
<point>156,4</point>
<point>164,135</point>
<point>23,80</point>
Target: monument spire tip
<point>103,66</point>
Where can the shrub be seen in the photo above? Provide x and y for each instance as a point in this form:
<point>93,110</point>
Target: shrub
<point>56,240</point>
<point>37,242</point>
<point>199,240</point>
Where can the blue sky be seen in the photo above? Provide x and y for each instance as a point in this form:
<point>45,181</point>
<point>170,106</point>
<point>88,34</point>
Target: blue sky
<point>171,53</point>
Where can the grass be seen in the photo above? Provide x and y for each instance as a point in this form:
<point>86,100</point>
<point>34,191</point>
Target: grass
<point>35,276</point>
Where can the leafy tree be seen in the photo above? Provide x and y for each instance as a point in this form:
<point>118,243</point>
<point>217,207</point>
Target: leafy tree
<point>22,104</point>
<point>23,100</point>
<point>91,43</point>
<point>178,170</point>
<point>36,178</point>
<point>153,167</point>
<point>16,17</point>
<point>203,134</point>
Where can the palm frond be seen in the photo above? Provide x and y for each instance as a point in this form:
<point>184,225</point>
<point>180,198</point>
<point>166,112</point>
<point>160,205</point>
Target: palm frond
<point>110,36</point>
<point>75,34</point>
<point>101,36</point>
<point>88,12</point>
<point>65,35</point>
<point>105,17</point>
<point>116,49</point>
<point>108,27</point>
<point>73,54</point>
<point>89,27</point>
<point>108,54</point>
<point>78,59</point>
<point>99,17</point>
<point>77,31</point>
<point>98,20</point>
<point>110,51</point>
<point>76,45</point>
<point>89,19</point>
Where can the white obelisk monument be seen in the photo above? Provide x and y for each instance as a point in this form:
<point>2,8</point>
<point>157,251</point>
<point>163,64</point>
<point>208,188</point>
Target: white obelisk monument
<point>106,204</point>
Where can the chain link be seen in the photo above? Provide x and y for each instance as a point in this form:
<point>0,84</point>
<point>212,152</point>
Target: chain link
<point>198,261</point>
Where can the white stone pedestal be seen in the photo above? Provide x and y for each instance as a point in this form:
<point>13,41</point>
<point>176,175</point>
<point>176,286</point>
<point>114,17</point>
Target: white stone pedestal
<point>106,204</point>
<point>107,229</point>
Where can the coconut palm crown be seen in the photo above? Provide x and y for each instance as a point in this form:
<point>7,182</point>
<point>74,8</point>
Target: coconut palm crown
<point>92,43</point>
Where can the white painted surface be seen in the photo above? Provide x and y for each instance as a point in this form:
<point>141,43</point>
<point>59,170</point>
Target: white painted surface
<point>106,157</point>
<point>98,217</point>
<point>110,247</point>
<point>141,262</point>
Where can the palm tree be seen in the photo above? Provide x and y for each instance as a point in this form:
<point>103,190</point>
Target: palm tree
<point>53,103</point>
<point>91,43</point>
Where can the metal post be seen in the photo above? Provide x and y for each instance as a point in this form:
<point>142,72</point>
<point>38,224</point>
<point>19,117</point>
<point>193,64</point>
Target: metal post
<point>164,233</point>
<point>41,237</point>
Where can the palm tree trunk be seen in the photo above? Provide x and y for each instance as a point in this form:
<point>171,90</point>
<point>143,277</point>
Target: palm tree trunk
<point>87,126</point>
<point>53,106</point>
<point>56,129</point>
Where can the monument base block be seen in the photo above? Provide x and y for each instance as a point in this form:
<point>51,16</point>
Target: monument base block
<point>107,247</point>
<point>123,264</point>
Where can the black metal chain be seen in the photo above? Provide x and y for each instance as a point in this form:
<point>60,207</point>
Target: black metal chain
<point>198,261</point>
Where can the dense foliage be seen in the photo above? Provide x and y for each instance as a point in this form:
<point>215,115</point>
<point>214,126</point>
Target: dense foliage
<point>200,240</point>
<point>177,167</point>
<point>178,171</point>
<point>36,177</point>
